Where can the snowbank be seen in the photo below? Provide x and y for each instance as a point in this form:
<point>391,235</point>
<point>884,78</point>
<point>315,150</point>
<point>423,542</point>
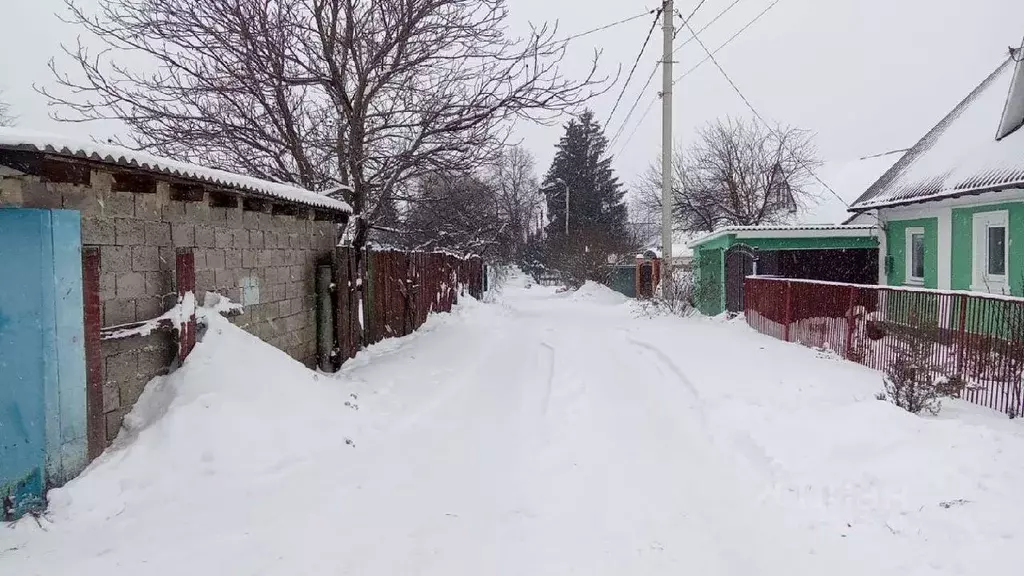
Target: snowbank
<point>935,495</point>
<point>177,434</point>
<point>597,294</point>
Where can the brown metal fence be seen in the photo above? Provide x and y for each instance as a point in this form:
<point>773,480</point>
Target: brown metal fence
<point>975,337</point>
<point>387,294</point>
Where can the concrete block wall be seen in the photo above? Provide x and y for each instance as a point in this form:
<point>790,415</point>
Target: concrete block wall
<point>261,259</point>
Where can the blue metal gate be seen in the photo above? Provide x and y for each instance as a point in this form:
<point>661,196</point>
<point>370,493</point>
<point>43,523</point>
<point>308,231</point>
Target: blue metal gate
<point>42,355</point>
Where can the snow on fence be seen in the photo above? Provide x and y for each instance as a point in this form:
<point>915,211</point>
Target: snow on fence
<point>388,294</point>
<point>976,337</point>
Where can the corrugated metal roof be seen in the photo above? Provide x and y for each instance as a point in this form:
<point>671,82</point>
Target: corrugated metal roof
<point>813,230</point>
<point>960,155</point>
<point>13,139</point>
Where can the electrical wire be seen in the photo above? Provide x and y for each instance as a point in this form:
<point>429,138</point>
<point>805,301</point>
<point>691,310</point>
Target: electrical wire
<point>606,27</point>
<point>706,26</point>
<point>636,63</point>
<point>724,44</point>
<point>650,105</point>
<point>657,65</point>
<point>758,115</point>
<point>687,19</point>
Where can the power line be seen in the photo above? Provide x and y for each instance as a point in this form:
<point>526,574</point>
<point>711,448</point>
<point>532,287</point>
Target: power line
<point>632,108</point>
<point>706,26</point>
<point>657,14</point>
<point>724,44</point>
<point>687,19</point>
<point>607,26</point>
<point>650,104</point>
<point>758,115</point>
<point>650,78</point>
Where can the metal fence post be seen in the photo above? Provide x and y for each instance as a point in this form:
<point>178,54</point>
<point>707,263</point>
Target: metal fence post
<point>789,310</point>
<point>961,337</point>
<point>850,316</point>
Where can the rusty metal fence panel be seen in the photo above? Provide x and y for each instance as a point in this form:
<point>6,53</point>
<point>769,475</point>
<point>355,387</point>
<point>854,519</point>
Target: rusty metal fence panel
<point>977,338</point>
<point>386,294</point>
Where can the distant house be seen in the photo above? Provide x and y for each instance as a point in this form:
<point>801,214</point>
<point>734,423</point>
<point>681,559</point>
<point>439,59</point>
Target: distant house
<point>953,206</point>
<point>682,254</point>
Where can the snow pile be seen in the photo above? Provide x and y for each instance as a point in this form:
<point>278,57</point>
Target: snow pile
<point>912,494</point>
<point>198,426</point>
<point>597,294</point>
<point>226,439</point>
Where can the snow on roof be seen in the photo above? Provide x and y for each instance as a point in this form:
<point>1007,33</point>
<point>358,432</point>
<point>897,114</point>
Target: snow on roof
<point>849,180</point>
<point>798,230</point>
<point>16,139</point>
<point>960,155</point>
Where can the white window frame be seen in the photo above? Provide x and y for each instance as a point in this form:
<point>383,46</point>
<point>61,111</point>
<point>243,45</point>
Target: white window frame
<point>909,277</point>
<point>981,280</point>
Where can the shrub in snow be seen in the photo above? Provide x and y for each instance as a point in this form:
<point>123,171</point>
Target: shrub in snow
<point>913,381</point>
<point>951,386</point>
<point>910,379</point>
<point>680,302</point>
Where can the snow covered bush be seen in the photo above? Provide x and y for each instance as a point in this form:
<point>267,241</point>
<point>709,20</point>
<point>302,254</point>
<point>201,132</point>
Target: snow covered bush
<point>913,381</point>
<point>680,302</point>
<point>910,381</point>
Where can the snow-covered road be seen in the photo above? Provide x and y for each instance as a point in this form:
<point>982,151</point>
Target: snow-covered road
<point>544,434</point>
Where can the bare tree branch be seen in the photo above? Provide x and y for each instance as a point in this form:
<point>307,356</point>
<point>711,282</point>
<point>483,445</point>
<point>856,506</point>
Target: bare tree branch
<point>365,95</point>
<point>6,119</point>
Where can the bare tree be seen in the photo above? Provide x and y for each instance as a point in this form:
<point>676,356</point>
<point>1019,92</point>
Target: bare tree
<point>5,114</point>
<point>737,173</point>
<point>360,96</point>
<point>518,199</point>
<point>645,200</point>
<point>454,212</point>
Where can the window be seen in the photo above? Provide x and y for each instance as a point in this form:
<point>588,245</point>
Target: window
<point>996,251</point>
<point>990,252</point>
<point>915,256</point>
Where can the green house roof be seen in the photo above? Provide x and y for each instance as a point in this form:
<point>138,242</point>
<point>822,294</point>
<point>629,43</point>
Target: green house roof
<point>791,237</point>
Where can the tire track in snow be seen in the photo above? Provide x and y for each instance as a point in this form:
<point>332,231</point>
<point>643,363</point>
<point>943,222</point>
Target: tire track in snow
<point>667,362</point>
<point>739,440</point>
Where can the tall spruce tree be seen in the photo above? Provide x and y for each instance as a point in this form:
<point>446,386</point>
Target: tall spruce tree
<point>597,211</point>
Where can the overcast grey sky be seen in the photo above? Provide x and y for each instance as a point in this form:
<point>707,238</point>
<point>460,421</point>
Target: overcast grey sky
<point>866,76</point>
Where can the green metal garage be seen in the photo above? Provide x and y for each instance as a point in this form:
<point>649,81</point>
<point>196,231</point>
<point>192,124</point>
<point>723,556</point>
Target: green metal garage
<point>722,259</point>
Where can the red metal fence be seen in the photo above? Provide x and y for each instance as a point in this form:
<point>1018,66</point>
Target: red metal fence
<point>389,294</point>
<point>975,337</point>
